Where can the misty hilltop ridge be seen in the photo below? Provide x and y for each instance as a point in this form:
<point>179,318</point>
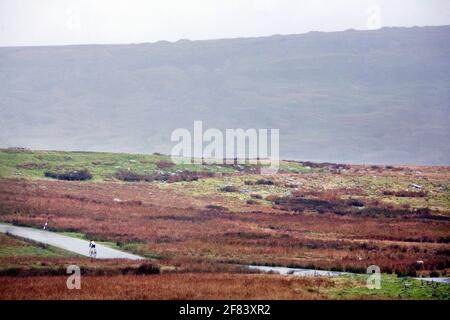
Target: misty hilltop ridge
<point>377,96</point>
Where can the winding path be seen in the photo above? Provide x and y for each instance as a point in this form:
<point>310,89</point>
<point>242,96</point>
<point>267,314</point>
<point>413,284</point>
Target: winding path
<point>67,243</point>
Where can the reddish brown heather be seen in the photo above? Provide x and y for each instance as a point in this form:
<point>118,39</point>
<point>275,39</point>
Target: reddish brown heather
<point>166,286</point>
<point>181,231</point>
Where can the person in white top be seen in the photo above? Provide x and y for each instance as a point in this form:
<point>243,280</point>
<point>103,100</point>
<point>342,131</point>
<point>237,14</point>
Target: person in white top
<point>92,249</point>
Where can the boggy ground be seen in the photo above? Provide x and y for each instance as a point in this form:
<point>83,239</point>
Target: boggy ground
<point>336,217</point>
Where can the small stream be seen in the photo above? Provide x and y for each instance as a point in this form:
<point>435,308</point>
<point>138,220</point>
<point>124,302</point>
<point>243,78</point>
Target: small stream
<point>323,273</point>
<point>298,271</point>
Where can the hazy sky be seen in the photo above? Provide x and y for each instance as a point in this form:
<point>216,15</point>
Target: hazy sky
<point>58,22</point>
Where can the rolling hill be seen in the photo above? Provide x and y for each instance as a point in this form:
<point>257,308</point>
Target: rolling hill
<point>354,96</point>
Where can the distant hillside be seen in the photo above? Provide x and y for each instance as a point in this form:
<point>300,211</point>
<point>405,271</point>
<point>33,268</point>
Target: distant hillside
<point>355,96</point>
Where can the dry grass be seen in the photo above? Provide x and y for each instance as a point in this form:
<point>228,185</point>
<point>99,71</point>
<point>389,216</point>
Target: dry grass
<point>183,230</point>
<point>30,266</point>
<point>198,235</point>
<point>166,286</point>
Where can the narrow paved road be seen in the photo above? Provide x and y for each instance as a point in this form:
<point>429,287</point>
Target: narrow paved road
<point>64,242</point>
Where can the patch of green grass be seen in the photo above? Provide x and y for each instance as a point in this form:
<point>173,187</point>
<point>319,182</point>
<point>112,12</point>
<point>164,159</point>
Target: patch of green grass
<point>31,251</point>
<point>77,235</point>
<point>212,186</point>
<point>392,287</point>
<point>83,236</point>
<point>294,167</point>
<point>102,165</point>
<point>16,247</point>
<point>139,249</point>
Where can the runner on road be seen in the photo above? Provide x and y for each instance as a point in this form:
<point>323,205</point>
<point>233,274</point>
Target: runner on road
<point>92,249</point>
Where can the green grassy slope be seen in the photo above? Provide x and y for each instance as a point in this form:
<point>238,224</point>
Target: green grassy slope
<point>102,165</point>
